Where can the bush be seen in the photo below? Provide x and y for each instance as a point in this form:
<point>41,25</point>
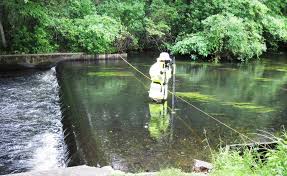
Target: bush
<point>92,34</point>
<point>231,29</point>
<point>224,35</point>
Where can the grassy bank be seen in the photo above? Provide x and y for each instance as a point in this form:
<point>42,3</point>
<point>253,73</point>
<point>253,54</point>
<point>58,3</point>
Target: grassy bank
<point>238,163</point>
<point>228,162</point>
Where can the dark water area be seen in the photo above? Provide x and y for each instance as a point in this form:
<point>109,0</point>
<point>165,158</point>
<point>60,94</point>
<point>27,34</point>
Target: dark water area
<point>109,120</point>
<point>31,136</point>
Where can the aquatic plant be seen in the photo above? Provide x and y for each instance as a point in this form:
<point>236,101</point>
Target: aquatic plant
<point>250,107</point>
<point>263,79</point>
<point>196,96</point>
<point>107,74</point>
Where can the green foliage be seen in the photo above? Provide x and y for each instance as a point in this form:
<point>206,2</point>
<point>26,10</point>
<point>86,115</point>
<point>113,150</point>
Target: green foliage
<point>43,28</point>
<point>278,7</point>
<point>148,25</point>
<point>80,8</point>
<point>161,12</point>
<point>233,29</point>
<point>230,29</point>
<point>275,29</point>
<point>228,162</point>
<point>92,34</point>
<point>224,35</point>
<point>130,13</point>
<point>29,27</point>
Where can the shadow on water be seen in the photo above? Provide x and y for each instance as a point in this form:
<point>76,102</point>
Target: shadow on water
<point>109,120</point>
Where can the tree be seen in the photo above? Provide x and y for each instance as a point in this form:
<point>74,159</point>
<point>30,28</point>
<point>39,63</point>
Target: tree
<point>3,39</point>
<point>235,29</point>
<point>2,33</point>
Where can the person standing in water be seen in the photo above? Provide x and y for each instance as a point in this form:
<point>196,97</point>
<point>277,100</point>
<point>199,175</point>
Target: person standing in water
<point>160,73</point>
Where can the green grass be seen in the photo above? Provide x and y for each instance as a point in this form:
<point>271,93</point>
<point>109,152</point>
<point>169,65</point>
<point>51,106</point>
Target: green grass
<point>231,163</point>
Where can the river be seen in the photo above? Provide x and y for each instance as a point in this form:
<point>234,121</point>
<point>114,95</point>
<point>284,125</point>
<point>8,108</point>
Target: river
<point>103,110</point>
<point>111,120</point>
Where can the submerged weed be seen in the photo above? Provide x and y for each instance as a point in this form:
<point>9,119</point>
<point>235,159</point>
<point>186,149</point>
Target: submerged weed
<point>107,74</point>
<point>196,96</point>
<point>263,79</point>
<point>250,107</point>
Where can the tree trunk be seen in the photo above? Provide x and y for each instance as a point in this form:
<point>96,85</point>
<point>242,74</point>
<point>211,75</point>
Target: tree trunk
<point>4,44</point>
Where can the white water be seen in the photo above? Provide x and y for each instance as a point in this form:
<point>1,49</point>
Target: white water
<point>31,136</point>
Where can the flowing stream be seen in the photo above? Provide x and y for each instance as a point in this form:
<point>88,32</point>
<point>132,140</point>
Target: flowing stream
<point>30,119</point>
<point>103,110</point>
<point>109,119</point>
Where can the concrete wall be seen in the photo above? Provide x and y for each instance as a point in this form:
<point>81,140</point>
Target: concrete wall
<point>24,61</point>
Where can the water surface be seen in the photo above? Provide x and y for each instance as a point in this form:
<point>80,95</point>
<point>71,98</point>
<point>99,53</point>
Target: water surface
<point>109,119</point>
<point>31,136</point>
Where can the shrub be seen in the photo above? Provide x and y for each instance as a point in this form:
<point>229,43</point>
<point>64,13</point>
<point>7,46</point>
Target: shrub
<point>231,29</point>
<point>92,34</point>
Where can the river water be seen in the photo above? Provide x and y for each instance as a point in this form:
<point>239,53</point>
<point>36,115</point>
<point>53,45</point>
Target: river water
<point>103,110</point>
<point>109,119</point>
<point>31,130</point>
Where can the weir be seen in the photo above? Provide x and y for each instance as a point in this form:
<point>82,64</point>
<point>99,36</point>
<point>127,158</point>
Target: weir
<point>44,61</point>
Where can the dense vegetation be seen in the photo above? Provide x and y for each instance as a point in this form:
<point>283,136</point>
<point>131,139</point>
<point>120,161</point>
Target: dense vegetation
<point>232,29</point>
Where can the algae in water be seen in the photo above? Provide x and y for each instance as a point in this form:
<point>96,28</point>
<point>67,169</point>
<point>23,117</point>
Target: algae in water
<point>196,96</point>
<point>250,107</point>
<point>107,74</point>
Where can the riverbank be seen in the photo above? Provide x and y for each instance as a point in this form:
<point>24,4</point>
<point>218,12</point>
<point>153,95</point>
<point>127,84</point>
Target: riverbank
<point>44,61</point>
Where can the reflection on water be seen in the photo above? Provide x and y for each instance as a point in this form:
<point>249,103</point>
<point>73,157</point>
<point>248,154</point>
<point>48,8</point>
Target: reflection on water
<point>159,120</point>
<point>109,119</point>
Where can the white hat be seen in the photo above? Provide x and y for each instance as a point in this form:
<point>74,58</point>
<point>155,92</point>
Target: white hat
<point>164,56</point>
